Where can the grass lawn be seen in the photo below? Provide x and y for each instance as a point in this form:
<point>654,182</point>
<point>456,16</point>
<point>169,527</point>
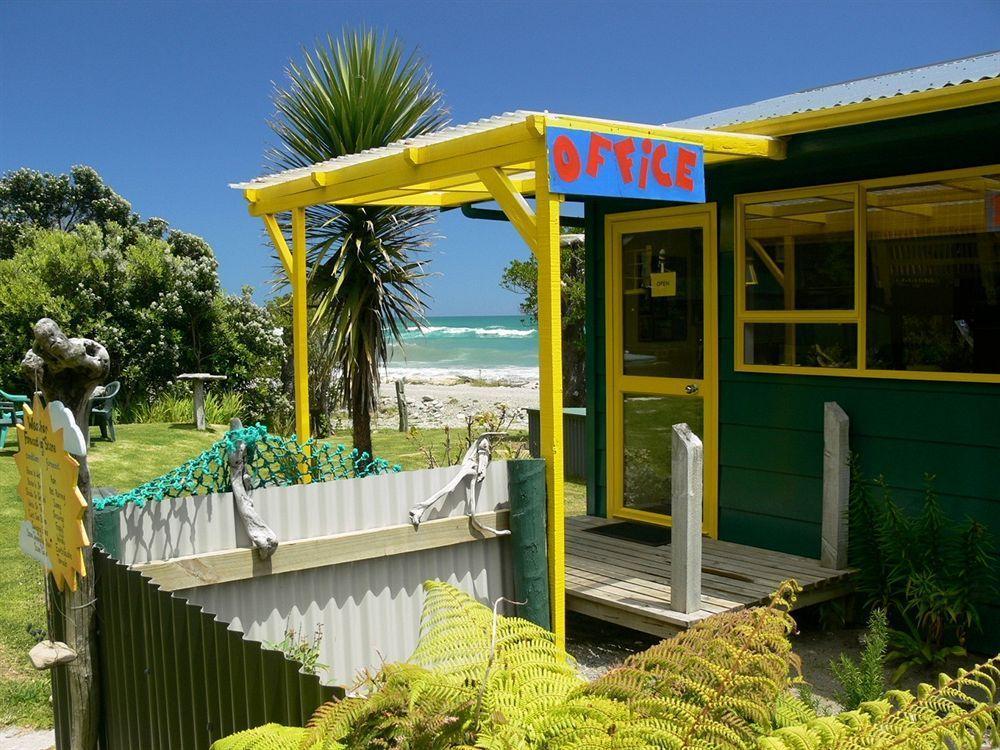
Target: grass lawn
<point>141,453</point>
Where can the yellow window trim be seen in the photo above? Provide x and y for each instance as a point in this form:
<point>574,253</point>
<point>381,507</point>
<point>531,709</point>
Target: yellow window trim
<point>856,316</point>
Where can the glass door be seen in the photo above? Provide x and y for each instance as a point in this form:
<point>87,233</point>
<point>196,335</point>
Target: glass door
<point>662,347</point>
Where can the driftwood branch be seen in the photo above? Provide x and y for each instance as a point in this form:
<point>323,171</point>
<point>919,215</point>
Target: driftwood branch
<point>263,539</point>
<point>473,466</point>
<point>68,370</point>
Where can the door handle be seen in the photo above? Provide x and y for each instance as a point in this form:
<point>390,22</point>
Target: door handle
<point>690,389</point>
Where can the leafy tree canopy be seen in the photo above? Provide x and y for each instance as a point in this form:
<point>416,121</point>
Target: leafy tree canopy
<point>29,198</point>
<point>521,277</point>
<point>149,293</point>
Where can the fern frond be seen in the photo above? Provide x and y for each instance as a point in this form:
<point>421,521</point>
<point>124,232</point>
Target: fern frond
<point>266,737</point>
<point>956,715</point>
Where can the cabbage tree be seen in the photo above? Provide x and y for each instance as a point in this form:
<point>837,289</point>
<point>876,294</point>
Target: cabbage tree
<point>359,91</point>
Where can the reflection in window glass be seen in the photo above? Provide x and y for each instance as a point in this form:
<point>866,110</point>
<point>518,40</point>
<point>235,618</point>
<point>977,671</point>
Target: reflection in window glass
<point>663,320</point>
<point>801,344</point>
<point>648,436</point>
<point>934,276</point>
<point>799,253</point>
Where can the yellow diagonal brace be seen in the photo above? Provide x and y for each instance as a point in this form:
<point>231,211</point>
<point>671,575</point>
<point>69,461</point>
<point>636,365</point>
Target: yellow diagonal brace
<point>512,203</point>
<point>767,260</point>
<point>274,232</point>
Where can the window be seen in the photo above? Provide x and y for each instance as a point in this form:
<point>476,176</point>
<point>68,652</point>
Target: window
<point>887,278</point>
<point>797,286</point>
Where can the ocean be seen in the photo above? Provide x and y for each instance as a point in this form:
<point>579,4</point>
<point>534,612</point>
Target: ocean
<point>492,347</point>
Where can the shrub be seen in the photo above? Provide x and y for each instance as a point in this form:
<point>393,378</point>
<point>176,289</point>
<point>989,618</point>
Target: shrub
<point>488,681</point>
<point>302,649</point>
<point>176,406</point>
<point>864,680</point>
<point>930,574</point>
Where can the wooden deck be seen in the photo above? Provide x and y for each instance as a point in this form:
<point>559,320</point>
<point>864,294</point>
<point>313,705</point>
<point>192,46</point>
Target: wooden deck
<point>628,582</point>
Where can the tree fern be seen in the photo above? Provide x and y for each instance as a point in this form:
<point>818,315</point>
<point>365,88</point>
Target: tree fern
<point>266,737</point>
<point>479,680</point>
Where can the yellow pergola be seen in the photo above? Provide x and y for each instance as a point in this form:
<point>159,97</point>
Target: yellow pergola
<point>502,159</point>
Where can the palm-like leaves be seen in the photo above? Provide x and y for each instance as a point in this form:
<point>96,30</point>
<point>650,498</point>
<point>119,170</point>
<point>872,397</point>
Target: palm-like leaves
<point>355,93</point>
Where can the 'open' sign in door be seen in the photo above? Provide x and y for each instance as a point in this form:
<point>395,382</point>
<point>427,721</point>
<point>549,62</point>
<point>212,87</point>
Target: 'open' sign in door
<point>585,162</point>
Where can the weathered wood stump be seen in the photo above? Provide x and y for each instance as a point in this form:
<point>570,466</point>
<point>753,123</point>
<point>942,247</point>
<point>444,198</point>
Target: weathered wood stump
<point>68,370</point>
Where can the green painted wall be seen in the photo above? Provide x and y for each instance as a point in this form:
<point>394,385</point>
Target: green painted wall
<point>771,425</point>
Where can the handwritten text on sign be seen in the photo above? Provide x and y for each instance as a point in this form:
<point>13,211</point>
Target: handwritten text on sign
<point>48,488</point>
<point>583,162</point>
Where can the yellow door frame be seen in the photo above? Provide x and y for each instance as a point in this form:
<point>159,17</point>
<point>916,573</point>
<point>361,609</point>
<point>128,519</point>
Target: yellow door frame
<point>702,215</point>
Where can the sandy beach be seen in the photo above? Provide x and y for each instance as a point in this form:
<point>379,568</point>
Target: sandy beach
<point>440,401</point>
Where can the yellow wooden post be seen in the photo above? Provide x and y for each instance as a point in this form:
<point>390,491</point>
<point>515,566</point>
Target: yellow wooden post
<point>300,330</point>
<point>550,386</point>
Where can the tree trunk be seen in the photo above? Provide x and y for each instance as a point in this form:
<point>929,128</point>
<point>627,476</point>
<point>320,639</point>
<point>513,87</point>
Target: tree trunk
<point>361,419</point>
<point>68,370</point>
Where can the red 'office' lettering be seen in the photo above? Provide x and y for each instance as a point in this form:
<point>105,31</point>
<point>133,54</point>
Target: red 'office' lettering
<point>659,174</point>
<point>567,158</point>
<point>686,159</point>
<point>623,153</point>
<point>594,158</point>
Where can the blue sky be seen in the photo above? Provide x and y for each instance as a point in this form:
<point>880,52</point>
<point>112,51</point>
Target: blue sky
<point>169,101</point>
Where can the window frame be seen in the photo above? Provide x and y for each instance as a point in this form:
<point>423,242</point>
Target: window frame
<point>859,315</point>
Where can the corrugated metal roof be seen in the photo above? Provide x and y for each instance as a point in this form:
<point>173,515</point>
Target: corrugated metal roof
<point>914,80</point>
<point>438,136</point>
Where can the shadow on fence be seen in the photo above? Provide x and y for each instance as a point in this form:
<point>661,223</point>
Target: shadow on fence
<point>175,677</point>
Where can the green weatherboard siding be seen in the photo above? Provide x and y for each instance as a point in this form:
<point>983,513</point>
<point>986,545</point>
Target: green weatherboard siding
<point>770,435</point>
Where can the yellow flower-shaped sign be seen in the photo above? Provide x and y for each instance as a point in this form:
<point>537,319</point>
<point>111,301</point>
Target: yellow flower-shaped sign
<point>48,488</point>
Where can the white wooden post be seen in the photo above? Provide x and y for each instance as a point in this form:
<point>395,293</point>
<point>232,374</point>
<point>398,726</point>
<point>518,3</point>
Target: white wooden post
<point>836,486</point>
<point>199,404</point>
<point>686,509</point>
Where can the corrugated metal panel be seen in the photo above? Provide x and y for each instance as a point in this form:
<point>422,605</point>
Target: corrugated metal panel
<point>176,678</point>
<point>925,78</point>
<point>439,136</point>
<point>369,610</point>
<point>575,457</point>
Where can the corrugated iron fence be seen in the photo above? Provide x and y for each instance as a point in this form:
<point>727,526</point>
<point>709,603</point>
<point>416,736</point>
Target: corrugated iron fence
<point>348,562</point>
<point>184,604</point>
<point>574,440</point>
<point>175,677</point>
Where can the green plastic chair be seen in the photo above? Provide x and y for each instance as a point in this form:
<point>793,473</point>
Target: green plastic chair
<point>11,413</point>
<point>102,410</point>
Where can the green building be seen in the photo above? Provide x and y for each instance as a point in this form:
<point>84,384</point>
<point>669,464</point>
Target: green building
<point>861,269</point>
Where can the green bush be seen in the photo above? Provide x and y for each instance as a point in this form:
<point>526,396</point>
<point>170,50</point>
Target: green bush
<point>176,405</point>
<point>864,680</point>
<point>930,574</point>
<point>487,681</point>
<point>72,250</point>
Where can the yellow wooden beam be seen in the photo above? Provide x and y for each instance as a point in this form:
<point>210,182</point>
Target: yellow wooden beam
<point>714,142</point>
<point>300,329</point>
<point>550,389</point>
<point>512,203</point>
<point>395,173</point>
<point>278,240</point>
<point>767,260</point>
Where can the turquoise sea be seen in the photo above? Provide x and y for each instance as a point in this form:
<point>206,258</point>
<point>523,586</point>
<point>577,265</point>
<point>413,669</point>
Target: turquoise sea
<point>494,347</point>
